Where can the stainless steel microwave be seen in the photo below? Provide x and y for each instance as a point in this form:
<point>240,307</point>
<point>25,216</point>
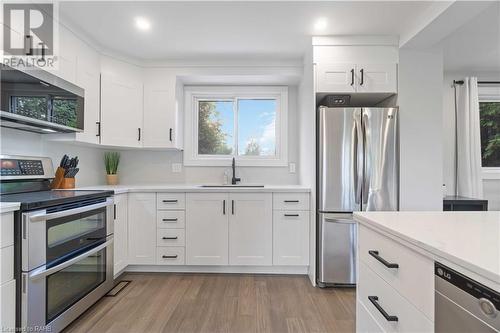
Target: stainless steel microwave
<point>37,101</point>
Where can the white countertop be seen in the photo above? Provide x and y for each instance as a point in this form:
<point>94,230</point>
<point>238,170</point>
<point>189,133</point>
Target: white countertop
<point>6,207</point>
<point>194,188</point>
<point>470,240</point>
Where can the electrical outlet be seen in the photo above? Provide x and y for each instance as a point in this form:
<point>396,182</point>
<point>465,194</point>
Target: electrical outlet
<point>292,167</point>
<point>176,167</point>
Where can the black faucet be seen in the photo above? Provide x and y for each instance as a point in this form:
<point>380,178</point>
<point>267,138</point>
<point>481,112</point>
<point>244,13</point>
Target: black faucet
<point>234,180</point>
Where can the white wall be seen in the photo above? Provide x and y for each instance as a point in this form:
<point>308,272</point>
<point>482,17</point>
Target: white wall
<point>420,101</point>
<point>491,187</point>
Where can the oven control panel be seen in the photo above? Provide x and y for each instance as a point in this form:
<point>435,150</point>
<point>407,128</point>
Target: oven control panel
<point>14,167</point>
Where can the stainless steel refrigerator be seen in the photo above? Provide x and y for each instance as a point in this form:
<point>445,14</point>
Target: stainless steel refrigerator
<point>358,170</point>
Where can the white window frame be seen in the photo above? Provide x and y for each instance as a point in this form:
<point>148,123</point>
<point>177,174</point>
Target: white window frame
<point>194,94</point>
<point>490,94</point>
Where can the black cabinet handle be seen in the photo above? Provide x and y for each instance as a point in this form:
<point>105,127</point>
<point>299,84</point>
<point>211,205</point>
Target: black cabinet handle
<point>169,237</point>
<point>170,135</point>
<point>139,134</point>
<point>114,212</point>
<point>170,201</point>
<point>291,215</point>
<point>387,264</point>
<point>169,220</point>
<point>362,71</point>
<point>223,207</point>
<point>232,207</point>
<point>291,201</point>
<point>98,123</point>
<point>169,257</point>
<point>374,301</point>
<point>352,77</point>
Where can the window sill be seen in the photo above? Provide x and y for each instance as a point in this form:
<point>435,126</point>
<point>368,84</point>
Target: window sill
<point>226,162</point>
<point>491,173</point>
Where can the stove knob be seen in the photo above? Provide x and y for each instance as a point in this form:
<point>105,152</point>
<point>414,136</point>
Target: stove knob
<point>488,307</point>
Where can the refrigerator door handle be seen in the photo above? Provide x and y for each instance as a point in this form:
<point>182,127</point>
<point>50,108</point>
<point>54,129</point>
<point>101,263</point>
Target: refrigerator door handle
<point>366,161</point>
<point>357,159</point>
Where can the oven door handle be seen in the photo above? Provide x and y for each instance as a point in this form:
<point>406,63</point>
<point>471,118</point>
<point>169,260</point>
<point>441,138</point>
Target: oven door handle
<point>43,271</point>
<point>42,216</point>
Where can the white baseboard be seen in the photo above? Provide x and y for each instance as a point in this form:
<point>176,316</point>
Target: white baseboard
<point>295,270</point>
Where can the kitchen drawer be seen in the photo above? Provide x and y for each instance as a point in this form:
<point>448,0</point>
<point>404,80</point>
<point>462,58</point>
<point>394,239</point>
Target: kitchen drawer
<point>410,319</point>
<point>414,269</point>
<point>171,219</point>
<point>365,323</point>
<point>170,237</point>
<point>170,256</point>
<point>6,229</point>
<point>291,201</point>
<point>291,238</point>
<point>6,264</point>
<point>171,201</point>
<point>8,306</point>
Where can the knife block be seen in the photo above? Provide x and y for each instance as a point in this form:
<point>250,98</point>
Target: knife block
<point>58,179</point>
<point>67,183</point>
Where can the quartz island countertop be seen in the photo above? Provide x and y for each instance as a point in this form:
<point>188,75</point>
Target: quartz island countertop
<point>468,241</point>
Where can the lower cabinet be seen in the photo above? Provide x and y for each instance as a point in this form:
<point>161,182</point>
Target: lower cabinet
<point>120,245</point>
<point>7,306</point>
<point>141,228</point>
<point>291,238</point>
<point>207,228</point>
<point>251,229</point>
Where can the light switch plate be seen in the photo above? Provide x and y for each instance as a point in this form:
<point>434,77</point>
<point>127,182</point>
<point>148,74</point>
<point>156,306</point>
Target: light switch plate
<point>292,167</point>
<point>176,167</point>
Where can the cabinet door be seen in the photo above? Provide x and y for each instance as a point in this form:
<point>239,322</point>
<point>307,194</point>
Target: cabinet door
<point>207,229</point>
<point>159,116</point>
<point>332,78</point>
<point>120,233</point>
<point>142,228</point>
<point>377,78</point>
<point>291,238</point>
<point>87,77</point>
<point>121,111</point>
<point>250,229</point>
<point>8,306</point>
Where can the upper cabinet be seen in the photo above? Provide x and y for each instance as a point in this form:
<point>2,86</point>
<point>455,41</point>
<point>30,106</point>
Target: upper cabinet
<point>356,64</point>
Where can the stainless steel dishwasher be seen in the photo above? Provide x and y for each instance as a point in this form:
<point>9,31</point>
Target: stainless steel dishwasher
<point>464,305</point>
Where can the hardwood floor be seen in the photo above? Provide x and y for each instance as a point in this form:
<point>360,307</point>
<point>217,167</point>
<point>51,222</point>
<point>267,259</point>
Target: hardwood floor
<point>157,302</point>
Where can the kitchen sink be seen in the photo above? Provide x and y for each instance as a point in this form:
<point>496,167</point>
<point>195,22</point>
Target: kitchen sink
<point>230,185</point>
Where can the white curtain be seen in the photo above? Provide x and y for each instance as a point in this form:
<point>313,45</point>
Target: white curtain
<point>468,144</point>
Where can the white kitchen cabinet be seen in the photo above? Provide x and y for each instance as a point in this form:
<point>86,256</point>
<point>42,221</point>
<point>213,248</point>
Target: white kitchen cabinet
<point>377,78</point>
<point>142,228</point>
<point>336,78</point>
<point>159,115</point>
<point>250,229</point>
<point>121,110</point>
<point>66,59</point>
<point>120,246</point>
<point>8,306</point>
<point>87,77</point>
<point>207,228</point>
<point>291,238</point>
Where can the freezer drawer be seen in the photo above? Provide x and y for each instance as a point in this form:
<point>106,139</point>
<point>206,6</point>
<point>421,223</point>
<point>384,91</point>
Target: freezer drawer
<point>337,250</point>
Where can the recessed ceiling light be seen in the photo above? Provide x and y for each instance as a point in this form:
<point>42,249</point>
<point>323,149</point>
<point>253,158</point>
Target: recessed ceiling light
<point>142,23</point>
<point>320,24</point>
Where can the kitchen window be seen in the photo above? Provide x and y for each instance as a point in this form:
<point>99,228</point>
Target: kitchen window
<point>247,123</point>
<point>489,114</point>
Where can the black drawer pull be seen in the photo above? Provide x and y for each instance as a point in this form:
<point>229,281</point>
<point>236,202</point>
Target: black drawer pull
<point>169,257</point>
<point>387,264</point>
<point>169,237</point>
<point>169,220</point>
<point>291,215</point>
<point>170,201</point>
<point>374,301</point>
<point>291,201</point>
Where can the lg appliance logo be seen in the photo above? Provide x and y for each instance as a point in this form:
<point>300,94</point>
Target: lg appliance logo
<point>29,34</point>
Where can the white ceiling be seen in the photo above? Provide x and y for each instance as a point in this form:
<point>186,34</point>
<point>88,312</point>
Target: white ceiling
<point>476,45</point>
<point>233,30</point>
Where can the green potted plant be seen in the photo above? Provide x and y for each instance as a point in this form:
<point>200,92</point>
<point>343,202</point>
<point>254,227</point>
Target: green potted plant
<point>111,161</point>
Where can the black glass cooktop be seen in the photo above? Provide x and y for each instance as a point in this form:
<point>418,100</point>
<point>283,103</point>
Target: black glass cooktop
<point>44,199</point>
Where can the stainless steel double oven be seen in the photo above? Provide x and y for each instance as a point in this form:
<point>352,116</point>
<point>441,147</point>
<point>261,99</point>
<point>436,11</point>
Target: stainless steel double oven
<point>66,261</point>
